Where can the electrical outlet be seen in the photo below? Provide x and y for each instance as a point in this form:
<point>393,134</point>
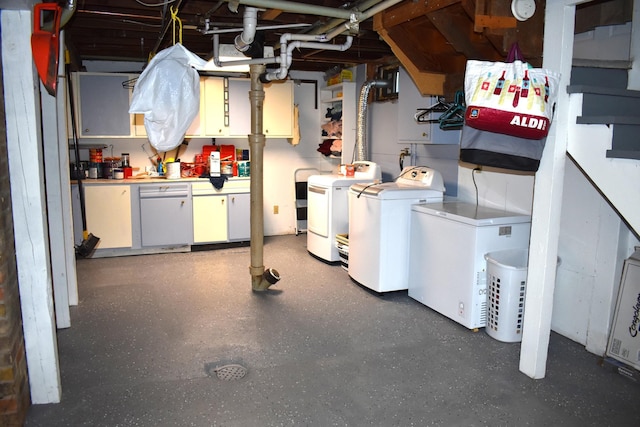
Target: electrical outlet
<point>276,209</point>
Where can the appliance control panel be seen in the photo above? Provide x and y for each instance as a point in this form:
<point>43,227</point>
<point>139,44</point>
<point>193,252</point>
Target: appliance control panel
<point>421,176</point>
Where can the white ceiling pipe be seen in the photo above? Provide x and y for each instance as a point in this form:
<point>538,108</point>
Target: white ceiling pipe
<point>260,28</point>
<point>347,26</point>
<point>308,9</point>
<point>335,22</point>
<point>250,22</point>
<point>377,9</point>
<point>287,56</point>
<point>248,61</point>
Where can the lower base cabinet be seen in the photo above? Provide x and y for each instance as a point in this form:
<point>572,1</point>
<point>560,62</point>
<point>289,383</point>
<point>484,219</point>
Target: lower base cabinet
<point>239,217</point>
<point>221,215</point>
<point>209,218</point>
<point>108,212</point>
<point>157,217</point>
<point>165,215</point>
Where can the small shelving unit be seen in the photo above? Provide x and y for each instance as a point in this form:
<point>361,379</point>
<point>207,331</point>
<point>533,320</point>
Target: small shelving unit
<point>300,177</point>
<point>341,95</point>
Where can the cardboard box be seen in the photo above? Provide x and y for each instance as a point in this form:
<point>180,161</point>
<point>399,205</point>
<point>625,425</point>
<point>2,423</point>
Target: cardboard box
<point>343,76</point>
<point>624,339</point>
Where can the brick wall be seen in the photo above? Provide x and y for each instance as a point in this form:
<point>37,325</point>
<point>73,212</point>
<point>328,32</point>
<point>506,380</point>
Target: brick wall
<point>14,384</point>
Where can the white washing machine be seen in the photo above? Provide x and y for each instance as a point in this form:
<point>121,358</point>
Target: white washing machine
<point>446,262</point>
<point>328,208</point>
<point>379,226</point>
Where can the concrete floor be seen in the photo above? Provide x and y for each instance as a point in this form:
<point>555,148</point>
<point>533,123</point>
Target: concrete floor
<point>319,350</point>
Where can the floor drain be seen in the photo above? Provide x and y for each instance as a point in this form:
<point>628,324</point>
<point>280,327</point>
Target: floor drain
<point>230,372</point>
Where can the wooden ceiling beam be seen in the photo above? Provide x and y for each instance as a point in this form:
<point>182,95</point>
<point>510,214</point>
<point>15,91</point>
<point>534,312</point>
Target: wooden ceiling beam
<point>457,29</point>
<point>406,11</point>
<point>271,14</point>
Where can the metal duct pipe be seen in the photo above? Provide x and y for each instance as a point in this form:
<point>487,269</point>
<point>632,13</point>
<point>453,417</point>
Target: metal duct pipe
<point>261,278</point>
<point>361,122</point>
<point>250,22</point>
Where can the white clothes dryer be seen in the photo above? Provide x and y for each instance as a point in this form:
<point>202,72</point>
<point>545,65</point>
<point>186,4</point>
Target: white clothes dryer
<point>379,226</point>
<point>328,208</point>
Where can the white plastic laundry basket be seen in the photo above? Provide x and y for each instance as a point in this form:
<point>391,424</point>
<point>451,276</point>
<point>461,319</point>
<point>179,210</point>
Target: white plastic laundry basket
<point>506,287</point>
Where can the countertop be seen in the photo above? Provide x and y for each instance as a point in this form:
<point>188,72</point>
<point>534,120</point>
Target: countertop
<point>150,180</point>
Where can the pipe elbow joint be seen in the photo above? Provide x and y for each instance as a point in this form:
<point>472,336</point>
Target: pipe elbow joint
<point>269,277</point>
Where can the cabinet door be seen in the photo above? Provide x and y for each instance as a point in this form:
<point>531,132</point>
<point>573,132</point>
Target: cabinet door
<point>165,221</point>
<point>239,216</point>
<point>215,108</point>
<point>108,210</point>
<point>278,109</point>
<point>239,108</point>
<point>209,219</point>
<point>103,105</point>
<point>197,129</point>
<point>410,131</point>
<point>76,215</point>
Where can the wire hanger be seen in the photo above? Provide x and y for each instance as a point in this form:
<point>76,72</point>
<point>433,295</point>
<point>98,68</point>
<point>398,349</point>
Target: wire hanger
<point>454,116</point>
<point>422,114</point>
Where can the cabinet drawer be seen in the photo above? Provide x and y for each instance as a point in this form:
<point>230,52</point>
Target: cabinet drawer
<point>164,190</point>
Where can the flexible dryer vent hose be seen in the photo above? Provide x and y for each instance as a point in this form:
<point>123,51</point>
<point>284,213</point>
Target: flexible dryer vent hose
<point>361,151</point>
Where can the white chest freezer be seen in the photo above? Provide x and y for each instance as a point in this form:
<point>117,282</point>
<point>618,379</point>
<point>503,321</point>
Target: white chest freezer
<point>447,268</point>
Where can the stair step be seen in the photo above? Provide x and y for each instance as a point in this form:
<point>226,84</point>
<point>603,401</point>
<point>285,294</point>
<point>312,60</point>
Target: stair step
<point>605,74</point>
<point>606,101</point>
<point>608,120</point>
<point>623,154</point>
<point>602,90</point>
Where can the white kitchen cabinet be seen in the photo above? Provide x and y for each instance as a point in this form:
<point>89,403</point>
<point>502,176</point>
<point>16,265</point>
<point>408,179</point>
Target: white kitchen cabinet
<point>77,215</point>
<point>108,210</point>
<point>221,215</point>
<point>194,131</point>
<point>102,105</point>
<point>239,108</point>
<point>277,108</point>
<point>209,219</point>
<point>409,130</point>
<point>239,210</point>
<point>342,96</point>
<point>165,214</point>
<point>215,106</point>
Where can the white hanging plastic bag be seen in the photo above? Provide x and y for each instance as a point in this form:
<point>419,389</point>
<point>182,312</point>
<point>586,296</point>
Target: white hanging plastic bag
<point>168,94</point>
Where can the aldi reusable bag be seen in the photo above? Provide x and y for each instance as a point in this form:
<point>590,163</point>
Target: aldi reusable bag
<point>510,98</point>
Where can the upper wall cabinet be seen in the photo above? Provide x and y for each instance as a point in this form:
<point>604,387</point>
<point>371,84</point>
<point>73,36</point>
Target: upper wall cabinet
<point>102,105</point>
<point>277,108</point>
<point>412,131</point>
